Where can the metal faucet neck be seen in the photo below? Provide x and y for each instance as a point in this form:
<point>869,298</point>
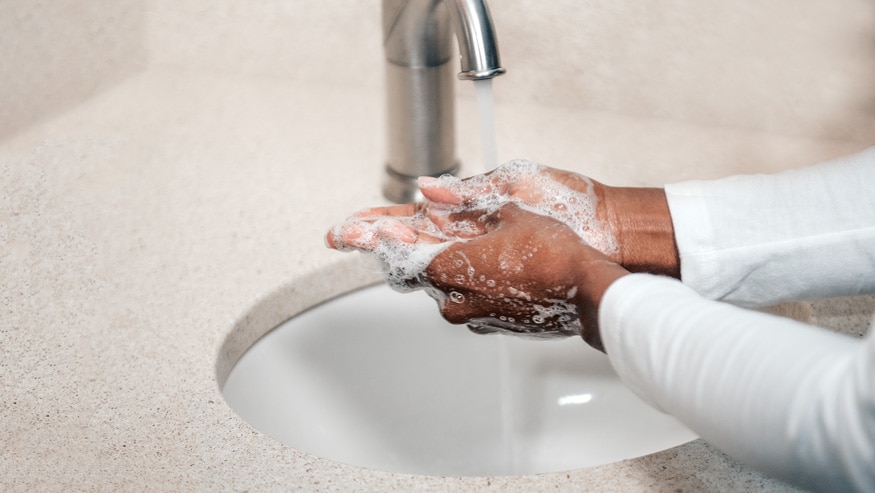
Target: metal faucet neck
<point>417,40</point>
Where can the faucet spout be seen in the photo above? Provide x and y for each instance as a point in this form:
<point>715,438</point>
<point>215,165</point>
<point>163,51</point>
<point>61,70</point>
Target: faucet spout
<point>475,33</point>
<point>419,86</point>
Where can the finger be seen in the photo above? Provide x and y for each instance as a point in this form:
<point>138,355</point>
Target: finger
<point>395,231</point>
<point>433,221</point>
<point>449,190</point>
<point>371,235</point>
<point>456,310</point>
<point>436,190</point>
<point>391,211</point>
<point>468,223</point>
<point>473,223</point>
<point>464,306</point>
<point>351,235</point>
<point>403,232</point>
<point>331,240</point>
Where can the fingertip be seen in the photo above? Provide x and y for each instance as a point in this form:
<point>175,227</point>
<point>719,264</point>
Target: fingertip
<point>355,235</point>
<point>426,181</point>
<point>334,237</point>
<point>329,239</point>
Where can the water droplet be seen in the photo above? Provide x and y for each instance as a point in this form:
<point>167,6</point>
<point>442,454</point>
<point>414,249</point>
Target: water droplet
<point>457,297</point>
<point>490,283</point>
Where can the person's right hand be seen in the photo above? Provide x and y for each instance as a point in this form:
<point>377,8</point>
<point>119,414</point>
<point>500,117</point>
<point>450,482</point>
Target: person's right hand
<point>528,274</point>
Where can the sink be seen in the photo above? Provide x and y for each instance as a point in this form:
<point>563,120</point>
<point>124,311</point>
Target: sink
<point>378,379</point>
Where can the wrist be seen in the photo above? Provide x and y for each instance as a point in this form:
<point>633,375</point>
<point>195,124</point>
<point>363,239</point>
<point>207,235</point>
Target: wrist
<point>596,277</point>
<point>641,222</point>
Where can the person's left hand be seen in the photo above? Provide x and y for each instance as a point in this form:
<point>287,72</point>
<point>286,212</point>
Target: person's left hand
<point>571,198</point>
<point>528,274</point>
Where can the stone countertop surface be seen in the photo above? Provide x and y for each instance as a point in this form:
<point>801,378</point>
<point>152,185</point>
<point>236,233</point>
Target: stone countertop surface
<point>139,229</point>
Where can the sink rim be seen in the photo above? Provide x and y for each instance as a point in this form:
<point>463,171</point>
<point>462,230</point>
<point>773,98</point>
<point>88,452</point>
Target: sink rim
<point>320,286</point>
<point>288,300</point>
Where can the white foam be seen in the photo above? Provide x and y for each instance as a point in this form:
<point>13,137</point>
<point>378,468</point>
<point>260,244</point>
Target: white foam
<point>545,196</point>
<point>402,264</point>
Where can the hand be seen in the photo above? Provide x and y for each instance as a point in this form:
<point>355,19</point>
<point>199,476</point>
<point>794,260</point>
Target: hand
<point>632,226</point>
<point>565,196</point>
<point>527,274</point>
<point>475,227</point>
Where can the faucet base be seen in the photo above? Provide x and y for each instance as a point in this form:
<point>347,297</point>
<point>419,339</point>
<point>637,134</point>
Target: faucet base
<point>402,189</point>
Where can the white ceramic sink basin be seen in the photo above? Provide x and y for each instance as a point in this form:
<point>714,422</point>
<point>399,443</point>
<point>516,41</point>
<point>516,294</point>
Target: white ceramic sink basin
<point>378,379</point>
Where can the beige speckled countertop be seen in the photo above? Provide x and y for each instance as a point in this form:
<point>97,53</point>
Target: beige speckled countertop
<point>167,170</point>
<point>151,233</point>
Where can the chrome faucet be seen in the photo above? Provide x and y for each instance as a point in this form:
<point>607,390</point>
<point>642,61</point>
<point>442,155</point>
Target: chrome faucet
<point>417,40</point>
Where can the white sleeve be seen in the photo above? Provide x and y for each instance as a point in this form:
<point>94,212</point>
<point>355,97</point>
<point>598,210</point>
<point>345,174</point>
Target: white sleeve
<point>790,399</point>
<point>759,239</point>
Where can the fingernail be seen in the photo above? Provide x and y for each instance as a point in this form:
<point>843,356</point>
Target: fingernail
<point>331,238</point>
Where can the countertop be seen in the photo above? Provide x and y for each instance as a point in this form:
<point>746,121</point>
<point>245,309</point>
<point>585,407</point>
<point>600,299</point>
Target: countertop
<point>151,233</point>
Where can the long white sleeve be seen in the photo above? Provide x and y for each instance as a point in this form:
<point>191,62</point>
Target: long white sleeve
<point>791,399</point>
<point>754,240</point>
